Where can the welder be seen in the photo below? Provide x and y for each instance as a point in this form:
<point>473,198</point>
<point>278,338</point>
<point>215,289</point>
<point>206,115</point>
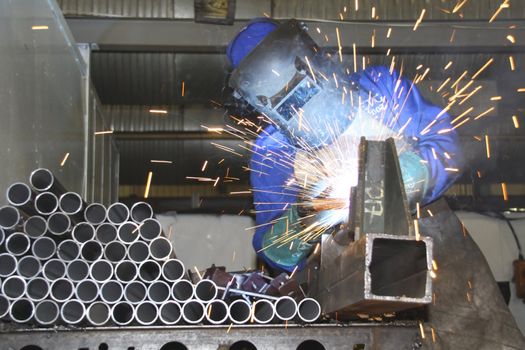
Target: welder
<point>317,109</point>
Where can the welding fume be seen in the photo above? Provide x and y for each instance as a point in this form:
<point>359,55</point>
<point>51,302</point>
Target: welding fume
<point>314,110</point>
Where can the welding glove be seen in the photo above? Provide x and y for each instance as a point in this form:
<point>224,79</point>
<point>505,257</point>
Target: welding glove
<point>286,253</point>
<point>415,175</point>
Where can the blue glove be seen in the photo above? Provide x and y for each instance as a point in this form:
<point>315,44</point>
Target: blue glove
<point>415,177</point>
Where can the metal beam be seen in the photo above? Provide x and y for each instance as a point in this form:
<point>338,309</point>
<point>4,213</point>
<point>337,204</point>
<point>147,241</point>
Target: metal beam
<point>188,36</point>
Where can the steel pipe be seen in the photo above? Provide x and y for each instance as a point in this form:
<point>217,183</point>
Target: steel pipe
<point>135,292</point>
<point>37,289</point>
<point>217,312</point>
<point>9,217</point>
<point>160,248</point>
<point>47,312</point>
<point>149,271</point>
<point>54,269</point>
<point>4,306</point>
<point>146,313</point>
<point>91,250</point>
<point>42,179</point>
<point>122,313</point>
<point>14,287</point>
<point>28,266</point>
<point>118,213</point>
<point>72,312</point>
<point>193,311</point>
<point>263,311</point>
<point>35,226</point>
<point>170,313</point>
<point>62,289</point>
<point>58,224</point>
<point>22,310</point>
<point>285,308</point>
<point>115,251</point>
<point>159,292</point>
<point>44,248</point>
<point>2,236</point>
<point>7,264</point>
<point>87,291</point>
<point>205,290</point>
<point>46,203</point>
<point>182,290</point>
<point>72,204</point>
<point>240,311</point>
<point>98,313</point>
<point>309,310</point>
<point>111,292</point>
<point>95,213</point>
<point>101,271</point>
<point>17,243</point>
<point>20,195</point>
<point>68,250</point>
<point>150,229</point>
<point>128,232</point>
<point>141,211</point>
<point>126,271</point>
<point>77,270</point>
<point>83,232</point>
<point>106,233</point>
<point>172,270</point>
<point>138,251</point>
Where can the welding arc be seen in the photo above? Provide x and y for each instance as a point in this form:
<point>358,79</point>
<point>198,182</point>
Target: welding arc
<point>59,224</point>
<point>122,313</point>
<point>46,203</point>
<point>170,313</point>
<point>146,313</point>
<point>98,313</point>
<point>141,211</point>
<point>44,248</point>
<point>47,312</point>
<point>239,311</point>
<point>21,310</point>
<point>217,312</point>
<point>117,213</point>
<point>72,312</point>
<point>95,213</point>
<point>68,250</point>
<point>17,244</point>
<point>43,180</point>
<point>309,310</point>
<point>20,195</point>
<point>205,290</point>
<point>263,311</point>
<point>9,217</point>
<point>193,311</point>
<point>182,290</point>
<point>35,226</point>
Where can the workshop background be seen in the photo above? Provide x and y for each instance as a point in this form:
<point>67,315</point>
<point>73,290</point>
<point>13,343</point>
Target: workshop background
<point>125,90</point>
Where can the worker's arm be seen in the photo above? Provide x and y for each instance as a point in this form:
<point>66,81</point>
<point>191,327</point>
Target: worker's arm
<point>435,151</point>
<point>275,197</point>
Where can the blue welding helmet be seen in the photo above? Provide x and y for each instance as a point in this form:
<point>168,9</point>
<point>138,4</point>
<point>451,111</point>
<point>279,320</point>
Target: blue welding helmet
<point>287,78</point>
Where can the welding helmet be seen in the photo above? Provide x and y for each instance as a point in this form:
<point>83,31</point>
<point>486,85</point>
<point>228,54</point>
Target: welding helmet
<point>286,78</point>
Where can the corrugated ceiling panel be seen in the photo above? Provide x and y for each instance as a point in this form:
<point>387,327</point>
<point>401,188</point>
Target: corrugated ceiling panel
<point>119,8</point>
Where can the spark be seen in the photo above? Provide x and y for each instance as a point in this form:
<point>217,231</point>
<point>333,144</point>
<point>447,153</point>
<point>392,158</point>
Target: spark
<point>204,165</point>
<point>462,115</point>
<point>388,52</point>
<point>512,64</point>
<point>433,334</point>
<point>355,57</point>
<point>521,90</point>
<point>418,211</point>
<point>216,181</point>
<point>103,132</point>
<point>489,62</point>
<point>158,111</point>
<point>339,44</point>
<point>310,68</point>
<point>148,184</point>
<point>511,39</point>
<point>161,161</point>
<point>293,272</point>
<point>484,113</point>
<point>373,40</point>
<point>276,72</point>
<point>183,87</point>
<point>422,330</point>
<point>373,13</point>
<point>419,19</point>
<point>515,121</point>
<point>317,246</point>
<point>64,160</point>
<point>198,272</point>
<point>229,328</point>
<point>495,98</point>
<point>459,79</point>
<point>389,32</point>
<point>430,213</point>
<point>241,192</point>
<point>463,122</point>
<point>459,5</point>
<point>443,84</point>
<point>504,191</point>
<point>504,4</point>
<point>448,65</point>
<point>472,93</point>
<point>357,5</point>
<point>318,30</point>
<point>487,146</point>
<point>432,274</point>
<point>453,35</point>
<point>434,265</point>
<point>39,27</point>
<point>416,227</point>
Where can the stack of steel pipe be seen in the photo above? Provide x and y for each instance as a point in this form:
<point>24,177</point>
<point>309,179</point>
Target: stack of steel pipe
<point>64,262</point>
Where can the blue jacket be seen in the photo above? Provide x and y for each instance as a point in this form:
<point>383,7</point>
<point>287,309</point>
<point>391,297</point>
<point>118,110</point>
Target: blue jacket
<point>273,158</point>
